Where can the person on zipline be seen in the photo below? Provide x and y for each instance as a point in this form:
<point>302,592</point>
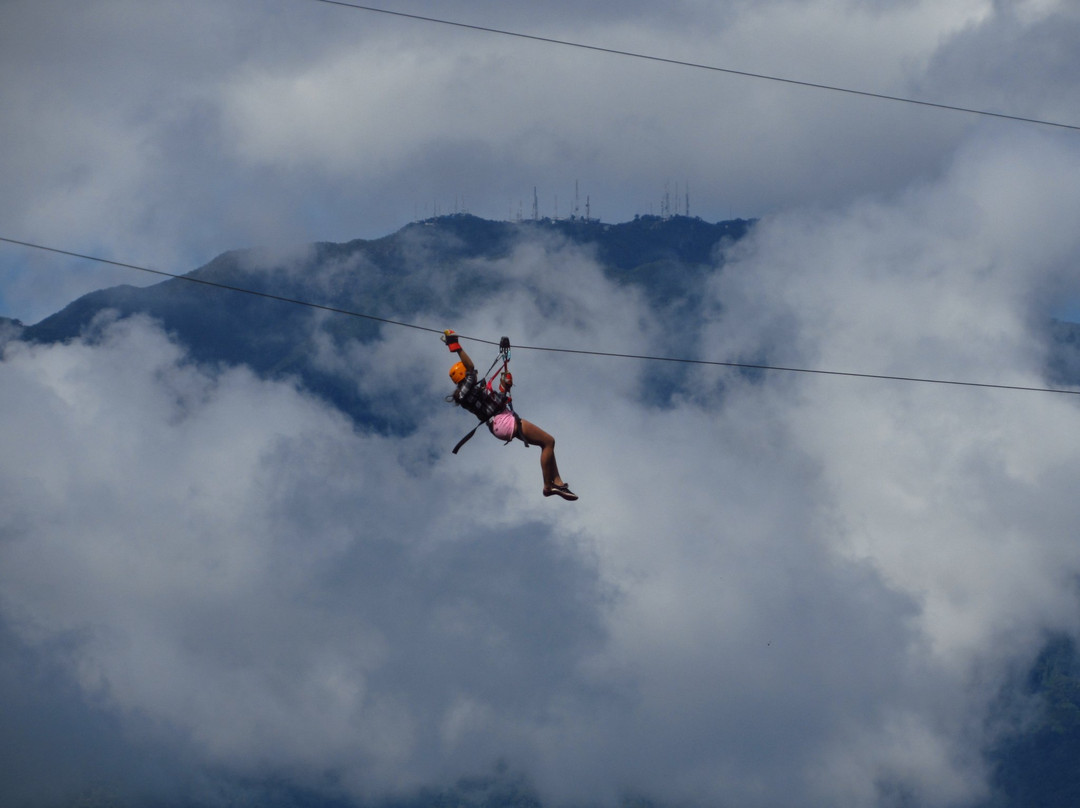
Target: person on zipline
<point>494,409</point>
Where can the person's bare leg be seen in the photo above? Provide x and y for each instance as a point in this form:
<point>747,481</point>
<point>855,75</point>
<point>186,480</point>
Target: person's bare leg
<point>537,437</point>
<point>552,482</point>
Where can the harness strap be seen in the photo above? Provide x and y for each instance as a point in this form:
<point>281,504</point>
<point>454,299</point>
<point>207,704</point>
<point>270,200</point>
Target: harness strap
<point>493,364</point>
<point>465,440</point>
<point>505,367</point>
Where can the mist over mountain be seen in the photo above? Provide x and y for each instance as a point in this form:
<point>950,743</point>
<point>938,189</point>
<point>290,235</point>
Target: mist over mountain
<point>669,259</point>
<point>240,567</point>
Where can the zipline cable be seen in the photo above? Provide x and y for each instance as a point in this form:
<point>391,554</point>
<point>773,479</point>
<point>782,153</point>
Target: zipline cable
<point>217,285</point>
<point>850,374</point>
<point>701,66</point>
<point>580,352</point>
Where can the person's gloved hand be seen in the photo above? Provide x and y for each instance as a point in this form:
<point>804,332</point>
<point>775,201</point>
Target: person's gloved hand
<point>506,381</point>
<point>451,340</point>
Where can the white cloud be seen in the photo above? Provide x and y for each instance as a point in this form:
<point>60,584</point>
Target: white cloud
<point>234,561</point>
<point>934,486</point>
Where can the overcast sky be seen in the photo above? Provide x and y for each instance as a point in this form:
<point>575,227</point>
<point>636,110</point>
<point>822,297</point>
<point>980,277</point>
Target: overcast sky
<point>801,590</point>
<point>166,133</point>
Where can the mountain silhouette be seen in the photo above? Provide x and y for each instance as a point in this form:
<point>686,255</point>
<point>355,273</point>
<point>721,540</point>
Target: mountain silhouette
<point>389,278</point>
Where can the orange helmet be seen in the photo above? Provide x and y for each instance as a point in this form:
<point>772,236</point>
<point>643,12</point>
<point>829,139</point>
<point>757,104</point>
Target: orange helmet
<point>457,372</point>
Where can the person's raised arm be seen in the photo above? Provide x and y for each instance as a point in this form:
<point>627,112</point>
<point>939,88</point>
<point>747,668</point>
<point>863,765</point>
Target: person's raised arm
<point>451,340</point>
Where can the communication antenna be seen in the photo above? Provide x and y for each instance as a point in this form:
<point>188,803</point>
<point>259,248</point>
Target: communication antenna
<point>586,207</point>
<point>536,206</point>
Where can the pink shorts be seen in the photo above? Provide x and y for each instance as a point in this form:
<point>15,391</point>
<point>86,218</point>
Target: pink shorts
<point>503,426</point>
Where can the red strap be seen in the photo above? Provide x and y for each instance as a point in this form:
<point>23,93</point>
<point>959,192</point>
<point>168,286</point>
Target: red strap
<point>491,381</point>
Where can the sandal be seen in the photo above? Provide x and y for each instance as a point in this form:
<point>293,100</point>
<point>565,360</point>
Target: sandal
<point>562,490</point>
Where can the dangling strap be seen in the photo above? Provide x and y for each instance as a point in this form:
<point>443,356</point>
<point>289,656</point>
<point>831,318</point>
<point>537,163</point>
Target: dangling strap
<point>465,440</point>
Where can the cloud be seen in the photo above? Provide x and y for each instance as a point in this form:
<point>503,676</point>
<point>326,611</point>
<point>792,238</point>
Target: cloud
<point>1015,61</point>
<point>933,487</point>
<point>721,618</point>
<point>285,593</point>
<point>776,588</point>
<point>164,136</point>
